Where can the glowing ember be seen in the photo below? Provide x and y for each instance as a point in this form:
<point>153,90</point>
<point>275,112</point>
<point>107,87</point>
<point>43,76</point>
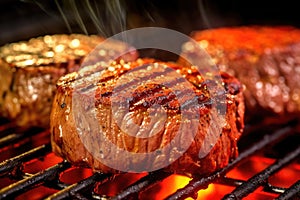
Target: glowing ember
<point>253,165</point>
<point>170,185</point>
<point>173,183</point>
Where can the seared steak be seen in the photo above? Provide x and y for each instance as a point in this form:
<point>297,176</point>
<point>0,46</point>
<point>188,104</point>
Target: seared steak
<point>29,71</point>
<point>122,104</point>
<point>265,59</point>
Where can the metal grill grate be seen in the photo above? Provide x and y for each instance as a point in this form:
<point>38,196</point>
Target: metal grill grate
<point>19,147</point>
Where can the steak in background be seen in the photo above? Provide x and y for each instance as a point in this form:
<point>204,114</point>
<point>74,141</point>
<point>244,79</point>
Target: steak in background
<point>265,59</point>
<point>72,130</point>
<point>30,69</point>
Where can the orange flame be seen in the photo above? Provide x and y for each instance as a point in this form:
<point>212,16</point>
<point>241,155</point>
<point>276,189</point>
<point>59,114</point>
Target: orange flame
<point>174,182</point>
<point>244,171</point>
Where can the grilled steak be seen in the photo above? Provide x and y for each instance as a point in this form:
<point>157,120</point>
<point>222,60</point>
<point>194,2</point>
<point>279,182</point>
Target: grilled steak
<point>103,106</point>
<point>29,71</point>
<point>265,59</point>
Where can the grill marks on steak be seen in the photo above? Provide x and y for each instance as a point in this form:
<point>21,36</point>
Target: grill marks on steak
<point>265,59</point>
<point>30,69</point>
<point>145,95</point>
<point>137,128</point>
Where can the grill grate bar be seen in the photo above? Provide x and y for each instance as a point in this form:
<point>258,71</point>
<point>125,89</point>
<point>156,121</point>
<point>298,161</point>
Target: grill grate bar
<point>273,189</point>
<point>14,135</point>
<point>56,184</point>
<point>75,188</point>
<point>7,128</point>
<point>293,191</point>
<point>27,183</point>
<point>84,188</point>
<point>261,178</point>
<point>7,165</point>
<point>79,196</point>
<point>231,181</point>
<point>236,182</point>
<point>143,183</point>
<point>10,139</point>
<point>202,183</point>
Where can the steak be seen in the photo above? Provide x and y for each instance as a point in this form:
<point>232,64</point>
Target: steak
<point>143,107</point>
<point>30,69</point>
<point>265,59</point>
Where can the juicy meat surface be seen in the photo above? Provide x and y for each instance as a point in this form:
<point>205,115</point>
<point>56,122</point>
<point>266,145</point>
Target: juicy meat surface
<point>265,59</point>
<point>30,69</point>
<point>88,117</point>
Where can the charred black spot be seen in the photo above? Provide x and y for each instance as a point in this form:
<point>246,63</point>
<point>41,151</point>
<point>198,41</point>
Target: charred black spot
<point>158,152</point>
<point>232,88</point>
<point>4,94</point>
<point>63,105</point>
<point>106,94</point>
<point>202,97</point>
<point>11,86</point>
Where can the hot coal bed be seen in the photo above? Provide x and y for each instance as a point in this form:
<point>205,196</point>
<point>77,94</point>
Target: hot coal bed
<point>268,167</point>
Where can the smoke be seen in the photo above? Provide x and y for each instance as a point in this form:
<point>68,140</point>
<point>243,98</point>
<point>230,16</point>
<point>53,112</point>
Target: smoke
<point>39,4</point>
<point>107,17</point>
<point>63,15</point>
<point>218,13</point>
<point>203,14</point>
<point>117,15</point>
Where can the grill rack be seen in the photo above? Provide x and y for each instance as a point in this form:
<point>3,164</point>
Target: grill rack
<point>84,189</point>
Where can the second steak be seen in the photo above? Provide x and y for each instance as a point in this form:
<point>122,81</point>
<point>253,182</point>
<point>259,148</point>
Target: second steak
<point>265,59</point>
<point>30,69</point>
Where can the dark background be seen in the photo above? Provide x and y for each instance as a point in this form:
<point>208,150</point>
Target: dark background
<point>21,20</point>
